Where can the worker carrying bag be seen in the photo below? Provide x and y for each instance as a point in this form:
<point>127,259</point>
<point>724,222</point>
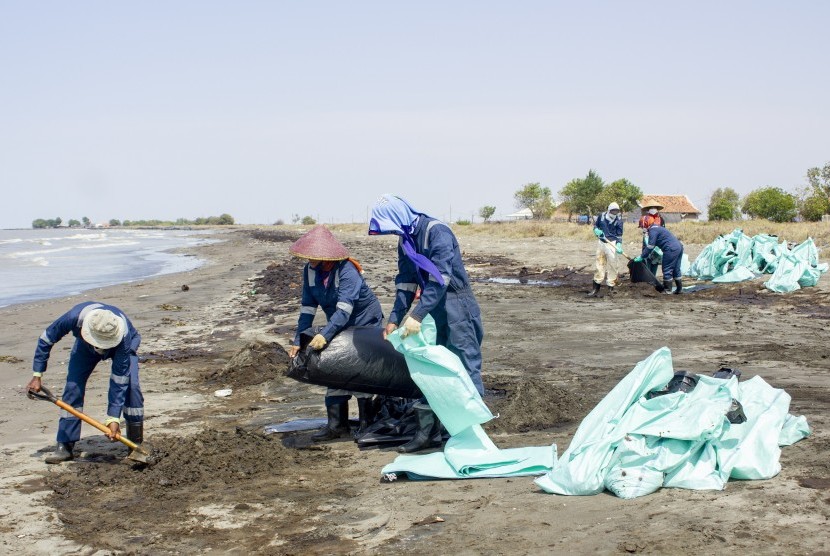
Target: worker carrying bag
<point>357,359</point>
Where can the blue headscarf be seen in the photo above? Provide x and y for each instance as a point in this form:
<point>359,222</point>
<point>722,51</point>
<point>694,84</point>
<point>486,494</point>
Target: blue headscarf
<point>393,215</point>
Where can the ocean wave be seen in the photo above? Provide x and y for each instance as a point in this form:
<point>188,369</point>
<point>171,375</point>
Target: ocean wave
<point>22,254</point>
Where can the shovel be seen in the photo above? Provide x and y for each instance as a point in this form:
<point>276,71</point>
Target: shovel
<point>656,283</point>
<point>138,453</point>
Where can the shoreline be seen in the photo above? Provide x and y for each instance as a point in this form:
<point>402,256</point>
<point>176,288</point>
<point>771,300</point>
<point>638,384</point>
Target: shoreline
<point>178,262</point>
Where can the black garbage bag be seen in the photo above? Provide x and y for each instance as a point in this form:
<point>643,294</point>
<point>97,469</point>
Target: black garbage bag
<point>640,272</point>
<point>357,359</point>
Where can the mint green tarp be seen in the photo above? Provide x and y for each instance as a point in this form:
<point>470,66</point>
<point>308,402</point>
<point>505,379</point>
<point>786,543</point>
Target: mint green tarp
<point>469,453</point>
<point>737,257</point>
<point>632,446</point>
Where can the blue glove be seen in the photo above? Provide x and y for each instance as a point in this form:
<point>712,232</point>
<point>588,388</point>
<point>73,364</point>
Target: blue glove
<point>598,232</point>
<point>638,259</point>
<point>619,248</point>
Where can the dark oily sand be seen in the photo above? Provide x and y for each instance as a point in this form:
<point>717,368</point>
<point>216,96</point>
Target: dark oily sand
<point>255,363</point>
<point>183,501</point>
<point>530,404</point>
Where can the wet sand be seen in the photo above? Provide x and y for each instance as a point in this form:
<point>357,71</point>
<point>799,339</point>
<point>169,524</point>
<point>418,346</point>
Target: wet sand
<point>220,485</point>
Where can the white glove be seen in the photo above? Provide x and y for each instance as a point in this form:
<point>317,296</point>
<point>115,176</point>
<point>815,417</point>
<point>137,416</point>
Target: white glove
<point>410,326</point>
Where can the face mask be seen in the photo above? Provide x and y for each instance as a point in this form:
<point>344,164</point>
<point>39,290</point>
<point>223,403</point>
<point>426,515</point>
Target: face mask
<point>652,211</point>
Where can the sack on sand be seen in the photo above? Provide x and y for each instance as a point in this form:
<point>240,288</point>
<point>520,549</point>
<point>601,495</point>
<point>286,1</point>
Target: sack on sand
<point>357,359</point>
<point>633,444</point>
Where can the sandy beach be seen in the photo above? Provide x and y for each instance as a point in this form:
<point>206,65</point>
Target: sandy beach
<point>550,354</point>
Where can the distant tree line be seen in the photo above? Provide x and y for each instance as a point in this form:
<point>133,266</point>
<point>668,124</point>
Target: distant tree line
<point>810,203</point>
<point>221,220</point>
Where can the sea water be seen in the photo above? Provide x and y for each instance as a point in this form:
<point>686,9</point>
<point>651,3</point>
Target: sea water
<point>41,264</point>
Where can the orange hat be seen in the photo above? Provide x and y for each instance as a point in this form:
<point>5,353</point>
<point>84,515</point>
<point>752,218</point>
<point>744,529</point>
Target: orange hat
<point>319,244</point>
<point>647,220</point>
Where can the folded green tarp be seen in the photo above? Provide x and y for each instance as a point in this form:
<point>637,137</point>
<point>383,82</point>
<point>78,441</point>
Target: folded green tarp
<point>632,446</point>
<point>469,453</point>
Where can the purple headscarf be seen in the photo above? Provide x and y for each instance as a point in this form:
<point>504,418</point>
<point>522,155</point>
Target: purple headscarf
<point>393,215</point>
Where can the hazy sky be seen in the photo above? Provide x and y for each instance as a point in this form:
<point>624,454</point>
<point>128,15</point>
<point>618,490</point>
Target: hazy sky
<point>135,110</point>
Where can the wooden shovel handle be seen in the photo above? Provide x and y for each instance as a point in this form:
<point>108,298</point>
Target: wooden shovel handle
<point>89,420</point>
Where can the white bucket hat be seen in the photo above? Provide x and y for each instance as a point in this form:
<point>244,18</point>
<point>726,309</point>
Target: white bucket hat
<point>613,206</point>
<point>103,328</point>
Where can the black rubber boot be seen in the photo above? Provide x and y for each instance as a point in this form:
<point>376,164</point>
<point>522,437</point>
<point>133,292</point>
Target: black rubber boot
<point>611,290</point>
<point>135,432</point>
<point>666,286</point>
<point>338,423</point>
<point>595,291</point>
<point>365,414</point>
<point>678,286</point>
<point>62,453</point>
<point>428,432</point>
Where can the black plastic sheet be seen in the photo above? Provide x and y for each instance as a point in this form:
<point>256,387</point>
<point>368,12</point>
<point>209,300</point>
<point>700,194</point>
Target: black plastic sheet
<point>357,359</point>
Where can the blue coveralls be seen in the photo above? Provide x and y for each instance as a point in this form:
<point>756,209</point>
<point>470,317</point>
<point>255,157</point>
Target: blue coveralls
<point>670,246</point>
<point>124,390</point>
<point>346,300</point>
<point>613,231</point>
<point>453,306</point>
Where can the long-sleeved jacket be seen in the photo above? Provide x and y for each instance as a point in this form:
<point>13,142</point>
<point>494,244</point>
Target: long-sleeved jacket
<point>613,231</point>
<point>344,297</point>
<point>662,238</point>
<point>434,240</point>
<point>71,321</point>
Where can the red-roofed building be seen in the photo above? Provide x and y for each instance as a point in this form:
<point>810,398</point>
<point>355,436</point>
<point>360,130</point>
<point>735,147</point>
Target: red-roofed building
<point>675,208</point>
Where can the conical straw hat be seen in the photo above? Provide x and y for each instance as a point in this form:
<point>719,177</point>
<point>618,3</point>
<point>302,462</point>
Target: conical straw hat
<point>319,244</point>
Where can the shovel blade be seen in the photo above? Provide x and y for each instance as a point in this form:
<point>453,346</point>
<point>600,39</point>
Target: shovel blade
<point>140,454</point>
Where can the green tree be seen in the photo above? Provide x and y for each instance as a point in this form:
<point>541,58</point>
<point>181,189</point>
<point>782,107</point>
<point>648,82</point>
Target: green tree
<point>580,195</point>
<point>74,223</point>
<point>308,221</point>
<point>819,179</point>
<point>486,212</point>
<point>115,222</point>
<point>57,221</point>
<point>772,203</point>
<point>39,223</point>
<point>813,205</point>
<point>225,219</point>
<point>536,198</point>
<point>724,204</point>
<point>620,191</point>
<point>86,221</point>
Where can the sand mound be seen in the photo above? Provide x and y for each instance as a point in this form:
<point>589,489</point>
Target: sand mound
<point>255,363</point>
<point>529,404</point>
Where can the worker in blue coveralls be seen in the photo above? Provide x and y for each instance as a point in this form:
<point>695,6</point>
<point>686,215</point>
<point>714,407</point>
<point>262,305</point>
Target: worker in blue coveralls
<point>429,257</point>
<point>662,238</point>
<point>609,231</point>
<point>334,281</point>
<point>101,332</point>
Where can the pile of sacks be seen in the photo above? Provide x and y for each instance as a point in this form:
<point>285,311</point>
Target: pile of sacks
<point>640,438</point>
<point>738,257</point>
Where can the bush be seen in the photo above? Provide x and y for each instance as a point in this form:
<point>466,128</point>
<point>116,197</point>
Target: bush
<point>463,222</point>
<point>772,203</point>
<point>308,221</point>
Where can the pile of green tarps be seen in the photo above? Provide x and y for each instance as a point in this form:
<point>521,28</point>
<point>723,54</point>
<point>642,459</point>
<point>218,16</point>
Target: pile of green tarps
<point>469,453</point>
<point>737,257</point>
<point>632,446</point>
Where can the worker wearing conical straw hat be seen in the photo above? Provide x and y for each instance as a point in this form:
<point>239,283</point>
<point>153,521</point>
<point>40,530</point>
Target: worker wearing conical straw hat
<point>334,282</point>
